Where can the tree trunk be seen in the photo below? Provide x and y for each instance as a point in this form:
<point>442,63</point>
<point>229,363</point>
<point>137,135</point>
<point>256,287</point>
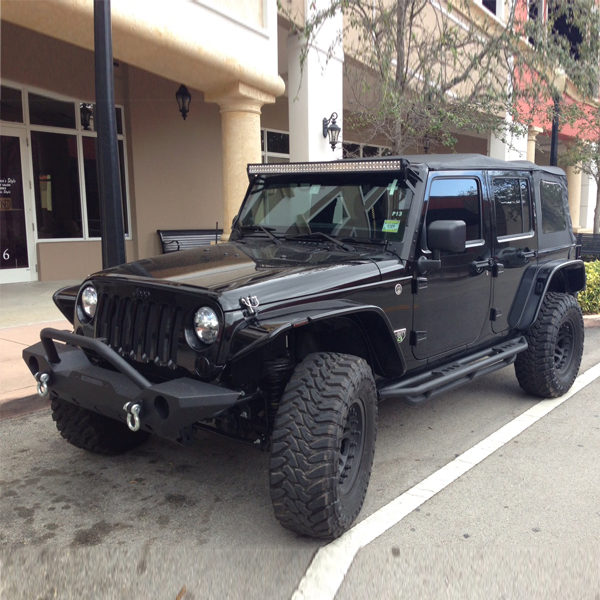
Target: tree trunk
<point>401,6</point>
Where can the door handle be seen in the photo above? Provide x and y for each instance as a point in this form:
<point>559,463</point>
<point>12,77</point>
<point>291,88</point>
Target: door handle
<point>477,267</point>
<point>526,253</point>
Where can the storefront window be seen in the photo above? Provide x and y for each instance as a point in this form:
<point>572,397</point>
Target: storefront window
<point>88,112</point>
<point>56,185</point>
<point>51,112</point>
<point>11,105</point>
<point>275,146</point>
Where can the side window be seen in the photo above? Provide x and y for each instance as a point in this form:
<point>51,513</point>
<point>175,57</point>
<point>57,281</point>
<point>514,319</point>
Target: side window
<point>553,207</point>
<point>456,200</point>
<point>513,206</point>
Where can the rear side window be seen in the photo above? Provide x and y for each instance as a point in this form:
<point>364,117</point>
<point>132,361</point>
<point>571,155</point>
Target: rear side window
<point>456,200</point>
<point>513,206</point>
<point>553,207</point>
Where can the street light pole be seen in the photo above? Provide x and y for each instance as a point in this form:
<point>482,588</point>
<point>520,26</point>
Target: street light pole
<point>554,137</point>
<point>107,152</point>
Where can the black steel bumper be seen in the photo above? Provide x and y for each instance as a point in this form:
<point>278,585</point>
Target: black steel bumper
<point>168,409</point>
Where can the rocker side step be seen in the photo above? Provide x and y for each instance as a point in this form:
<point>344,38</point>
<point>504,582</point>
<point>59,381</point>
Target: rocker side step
<point>452,375</point>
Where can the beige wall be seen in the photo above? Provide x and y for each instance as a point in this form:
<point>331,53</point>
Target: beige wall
<point>275,116</point>
<point>177,164</point>
<point>71,260</point>
<point>44,62</point>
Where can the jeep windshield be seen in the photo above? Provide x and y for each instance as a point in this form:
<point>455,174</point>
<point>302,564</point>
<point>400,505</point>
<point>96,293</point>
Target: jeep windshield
<point>367,207</point>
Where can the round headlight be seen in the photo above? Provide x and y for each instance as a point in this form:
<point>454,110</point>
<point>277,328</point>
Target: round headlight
<point>206,325</point>
<point>89,301</point>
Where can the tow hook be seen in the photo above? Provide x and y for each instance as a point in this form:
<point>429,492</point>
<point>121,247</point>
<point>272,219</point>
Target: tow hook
<point>42,386</point>
<point>133,415</point>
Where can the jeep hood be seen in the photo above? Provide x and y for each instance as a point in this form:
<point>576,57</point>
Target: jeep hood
<point>272,272</point>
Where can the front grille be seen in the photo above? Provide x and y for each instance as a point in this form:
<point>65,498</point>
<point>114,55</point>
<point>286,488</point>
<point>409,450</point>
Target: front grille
<point>140,329</point>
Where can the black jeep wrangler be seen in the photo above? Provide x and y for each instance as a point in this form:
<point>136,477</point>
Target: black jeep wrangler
<point>342,284</point>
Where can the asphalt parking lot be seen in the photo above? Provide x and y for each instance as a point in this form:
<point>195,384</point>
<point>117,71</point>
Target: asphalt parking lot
<point>163,518</point>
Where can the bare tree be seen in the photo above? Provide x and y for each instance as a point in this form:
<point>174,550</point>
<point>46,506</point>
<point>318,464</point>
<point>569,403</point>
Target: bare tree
<point>423,70</point>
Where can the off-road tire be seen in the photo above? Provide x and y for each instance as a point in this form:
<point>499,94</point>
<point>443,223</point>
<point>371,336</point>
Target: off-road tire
<point>94,432</point>
<point>550,364</point>
<point>323,445</point>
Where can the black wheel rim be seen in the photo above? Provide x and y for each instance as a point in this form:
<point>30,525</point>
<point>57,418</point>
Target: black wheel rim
<point>351,447</point>
<point>563,350</point>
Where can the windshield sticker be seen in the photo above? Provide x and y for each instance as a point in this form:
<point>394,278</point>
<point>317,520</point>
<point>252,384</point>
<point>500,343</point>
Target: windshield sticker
<point>390,226</point>
<point>396,214</point>
<point>392,187</point>
<point>314,189</point>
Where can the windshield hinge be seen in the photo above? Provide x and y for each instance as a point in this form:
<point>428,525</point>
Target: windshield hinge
<point>417,336</point>
<point>420,283</point>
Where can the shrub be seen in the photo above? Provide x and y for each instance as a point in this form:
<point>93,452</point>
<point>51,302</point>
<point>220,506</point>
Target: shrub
<point>590,299</point>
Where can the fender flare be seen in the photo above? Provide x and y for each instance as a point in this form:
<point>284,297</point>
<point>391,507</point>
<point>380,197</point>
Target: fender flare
<point>536,282</point>
<point>270,324</point>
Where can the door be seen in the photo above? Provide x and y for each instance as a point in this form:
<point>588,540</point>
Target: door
<point>17,243</point>
<point>515,240</point>
<point>452,303</point>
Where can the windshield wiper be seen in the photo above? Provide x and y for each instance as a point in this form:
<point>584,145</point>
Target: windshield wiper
<point>324,236</point>
<point>266,230</point>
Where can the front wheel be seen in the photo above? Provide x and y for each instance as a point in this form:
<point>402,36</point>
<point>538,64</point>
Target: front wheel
<point>550,364</point>
<point>323,445</point>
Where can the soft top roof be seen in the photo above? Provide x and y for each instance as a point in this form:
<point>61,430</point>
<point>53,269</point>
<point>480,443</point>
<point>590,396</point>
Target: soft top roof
<point>444,162</point>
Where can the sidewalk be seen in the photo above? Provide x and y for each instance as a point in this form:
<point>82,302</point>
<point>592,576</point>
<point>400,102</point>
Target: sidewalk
<point>25,309</point>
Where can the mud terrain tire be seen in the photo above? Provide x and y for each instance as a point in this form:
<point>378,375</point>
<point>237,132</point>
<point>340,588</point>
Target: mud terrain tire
<point>94,432</point>
<point>323,445</point>
<point>550,364</point>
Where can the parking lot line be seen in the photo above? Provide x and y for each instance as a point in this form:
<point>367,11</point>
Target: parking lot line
<point>326,572</point>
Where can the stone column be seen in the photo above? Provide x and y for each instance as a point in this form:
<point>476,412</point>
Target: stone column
<point>531,138</point>
<point>574,184</point>
<point>240,133</point>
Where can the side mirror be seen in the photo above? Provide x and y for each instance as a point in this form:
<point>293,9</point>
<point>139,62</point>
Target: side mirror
<point>443,236</point>
<point>447,236</point>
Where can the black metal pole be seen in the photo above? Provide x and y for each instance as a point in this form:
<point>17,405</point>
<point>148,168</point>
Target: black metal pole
<point>554,138</point>
<point>107,151</point>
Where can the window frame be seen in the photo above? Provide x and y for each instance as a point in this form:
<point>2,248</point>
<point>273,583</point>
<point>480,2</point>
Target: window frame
<point>480,188</point>
<point>525,234</point>
<point>79,133</point>
<point>264,151</point>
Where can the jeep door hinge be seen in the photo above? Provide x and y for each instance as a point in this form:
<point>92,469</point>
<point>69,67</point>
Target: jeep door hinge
<point>495,314</point>
<point>420,283</point>
<point>417,336</point>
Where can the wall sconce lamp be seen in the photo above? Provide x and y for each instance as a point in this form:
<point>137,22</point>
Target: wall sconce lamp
<point>331,129</point>
<point>183,99</point>
<point>87,114</point>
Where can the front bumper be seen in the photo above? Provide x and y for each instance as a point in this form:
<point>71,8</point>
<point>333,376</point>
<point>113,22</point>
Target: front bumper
<point>168,409</point>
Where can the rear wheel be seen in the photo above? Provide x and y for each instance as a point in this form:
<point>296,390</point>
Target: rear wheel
<point>323,445</point>
<point>94,432</point>
<point>550,364</point>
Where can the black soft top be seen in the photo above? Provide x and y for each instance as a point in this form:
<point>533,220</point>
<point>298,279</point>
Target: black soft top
<point>468,162</point>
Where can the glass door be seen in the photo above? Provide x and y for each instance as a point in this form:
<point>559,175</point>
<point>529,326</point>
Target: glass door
<point>17,244</point>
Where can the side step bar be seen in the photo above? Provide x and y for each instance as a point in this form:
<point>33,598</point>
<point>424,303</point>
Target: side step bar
<point>447,377</point>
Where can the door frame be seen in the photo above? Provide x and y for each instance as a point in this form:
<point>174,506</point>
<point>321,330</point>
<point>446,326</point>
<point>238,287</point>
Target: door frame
<point>30,273</point>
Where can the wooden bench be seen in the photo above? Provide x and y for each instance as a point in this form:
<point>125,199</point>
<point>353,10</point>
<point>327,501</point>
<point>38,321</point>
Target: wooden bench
<point>173,240</point>
<point>590,244</point>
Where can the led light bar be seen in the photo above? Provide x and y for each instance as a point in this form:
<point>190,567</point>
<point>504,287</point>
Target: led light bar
<point>350,166</point>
